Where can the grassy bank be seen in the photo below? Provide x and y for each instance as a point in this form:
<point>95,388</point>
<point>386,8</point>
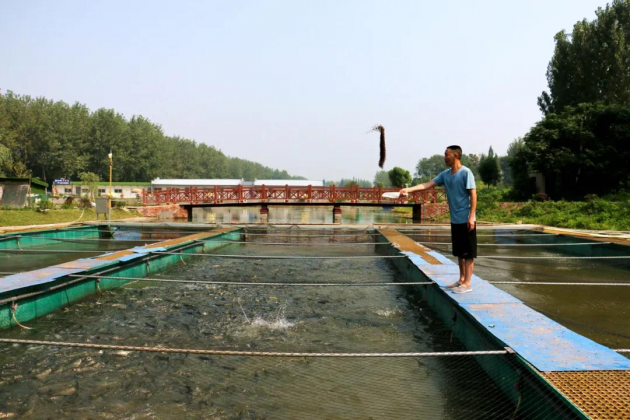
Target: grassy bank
<point>24,217</point>
<point>595,213</point>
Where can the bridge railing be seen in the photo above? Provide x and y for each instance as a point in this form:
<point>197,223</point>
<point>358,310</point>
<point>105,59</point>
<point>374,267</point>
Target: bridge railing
<point>285,194</point>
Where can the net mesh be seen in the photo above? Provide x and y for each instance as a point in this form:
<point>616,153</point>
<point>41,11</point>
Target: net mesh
<point>42,381</point>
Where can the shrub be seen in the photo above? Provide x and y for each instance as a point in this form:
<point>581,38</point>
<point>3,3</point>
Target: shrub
<point>45,205</point>
<point>68,204</point>
<point>85,203</point>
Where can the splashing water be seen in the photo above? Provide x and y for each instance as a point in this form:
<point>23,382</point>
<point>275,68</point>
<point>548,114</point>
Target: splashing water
<point>389,313</point>
<point>276,324</point>
<point>258,324</point>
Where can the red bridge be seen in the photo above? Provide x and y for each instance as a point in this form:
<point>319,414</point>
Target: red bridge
<point>425,204</point>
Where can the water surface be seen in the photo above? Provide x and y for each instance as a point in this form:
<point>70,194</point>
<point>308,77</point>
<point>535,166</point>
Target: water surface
<point>43,382</point>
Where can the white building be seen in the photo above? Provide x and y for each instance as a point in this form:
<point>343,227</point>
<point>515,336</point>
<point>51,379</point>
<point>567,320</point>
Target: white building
<point>185,183</point>
<point>119,189</point>
<point>206,183</point>
<point>289,182</point>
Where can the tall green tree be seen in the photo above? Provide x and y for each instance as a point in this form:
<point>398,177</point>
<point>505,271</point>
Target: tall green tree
<point>6,162</point>
<point>381,179</point>
<point>90,180</point>
<point>580,150</point>
<point>399,177</point>
<point>429,168</point>
<point>109,132</point>
<point>489,168</point>
<point>519,170</point>
<point>144,140</point>
<point>14,115</point>
<point>53,139</point>
<point>591,63</point>
<point>352,182</point>
<point>471,161</point>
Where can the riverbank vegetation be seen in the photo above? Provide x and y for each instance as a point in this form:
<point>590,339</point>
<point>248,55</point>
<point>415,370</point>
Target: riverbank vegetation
<point>497,205</point>
<point>611,212</point>
<point>568,170</point>
<point>47,139</point>
<point>30,216</point>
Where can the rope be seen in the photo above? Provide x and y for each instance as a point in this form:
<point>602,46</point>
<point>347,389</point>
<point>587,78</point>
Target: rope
<point>525,263</point>
<point>502,257</point>
<point>150,232</point>
<point>297,243</point>
<point>159,349</point>
<point>282,257</point>
<point>14,308</point>
<point>518,404</point>
<point>483,235</point>
<point>241,283</point>
<point>65,251</point>
<point>537,274</point>
<point>543,245</point>
<point>94,239</point>
<point>307,229</point>
<point>554,283</point>
<point>291,257</point>
<point>306,236</point>
<point>79,217</point>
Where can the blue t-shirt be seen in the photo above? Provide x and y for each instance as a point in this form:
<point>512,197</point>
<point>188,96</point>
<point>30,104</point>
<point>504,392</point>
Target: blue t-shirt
<point>457,187</point>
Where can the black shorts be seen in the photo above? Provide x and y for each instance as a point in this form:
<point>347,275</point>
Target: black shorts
<point>464,241</point>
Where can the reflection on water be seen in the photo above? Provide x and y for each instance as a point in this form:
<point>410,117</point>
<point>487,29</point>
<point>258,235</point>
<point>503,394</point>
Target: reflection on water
<point>298,214</point>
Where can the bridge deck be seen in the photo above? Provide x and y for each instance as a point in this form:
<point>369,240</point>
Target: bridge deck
<point>301,195</point>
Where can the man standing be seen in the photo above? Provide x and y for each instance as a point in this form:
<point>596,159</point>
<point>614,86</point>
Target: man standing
<point>461,192</point>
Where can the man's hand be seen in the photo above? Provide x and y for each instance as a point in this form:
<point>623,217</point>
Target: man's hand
<point>404,192</point>
<point>471,223</point>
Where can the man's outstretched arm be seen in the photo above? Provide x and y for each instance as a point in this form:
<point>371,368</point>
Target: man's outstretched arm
<point>424,186</point>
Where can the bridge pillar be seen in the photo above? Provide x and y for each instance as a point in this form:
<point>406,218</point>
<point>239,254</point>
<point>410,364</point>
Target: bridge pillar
<point>417,213</point>
<point>336,213</point>
<point>264,213</point>
<point>189,213</point>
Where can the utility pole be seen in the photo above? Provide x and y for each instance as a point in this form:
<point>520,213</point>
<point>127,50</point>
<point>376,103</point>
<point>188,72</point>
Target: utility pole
<point>111,192</point>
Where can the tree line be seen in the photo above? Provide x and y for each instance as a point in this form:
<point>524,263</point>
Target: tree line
<point>581,144</point>
<point>47,139</point>
<point>579,147</point>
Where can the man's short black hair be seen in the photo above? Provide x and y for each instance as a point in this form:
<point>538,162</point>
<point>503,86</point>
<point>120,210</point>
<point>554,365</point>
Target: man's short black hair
<point>457,150</point>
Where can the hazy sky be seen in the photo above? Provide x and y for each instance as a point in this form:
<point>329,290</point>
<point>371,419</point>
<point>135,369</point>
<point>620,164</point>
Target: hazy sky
<point>296,85</point>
